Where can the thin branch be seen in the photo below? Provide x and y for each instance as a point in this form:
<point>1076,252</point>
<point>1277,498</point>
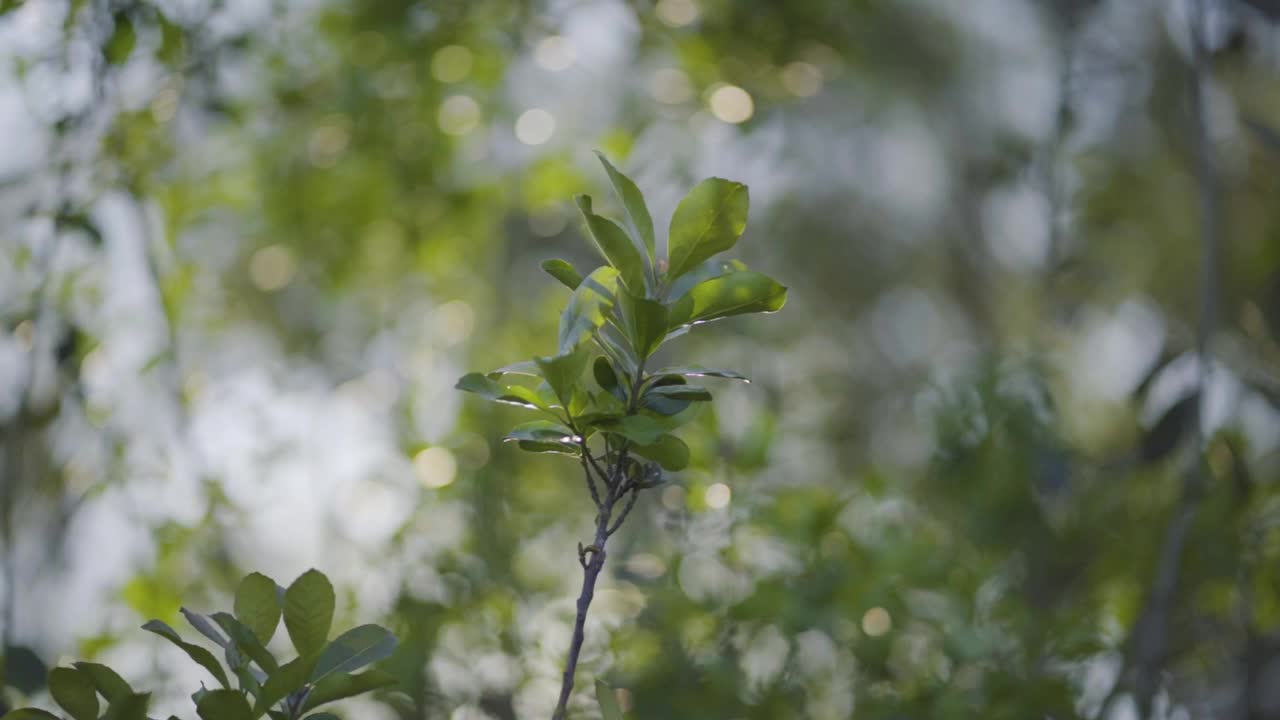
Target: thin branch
<point>626,510</point>
<point>586,469</point>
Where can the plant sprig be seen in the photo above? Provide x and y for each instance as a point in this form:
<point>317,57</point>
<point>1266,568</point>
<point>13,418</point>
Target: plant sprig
<point>619,424</point>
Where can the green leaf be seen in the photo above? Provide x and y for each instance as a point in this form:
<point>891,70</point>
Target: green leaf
<point>646,323</point>
<point>681,392</point>
<point>341,686</point>
<point>246,641</point>
<point>639,429</point>
<point>129,707</point>
<point>607,378</point>
<point>524,367</point>
<point>561,270</point>
<point>224,705</point>
<point>588,308</point>
<point>616,247</point>
<point>709,220</point>
<point>354,649</point>
<point>121,43</point>
<point>712,268</point>
<point>517,395</point>
<point>203,625</point>
<point>699,371</point>
<point>30,714</point>
<point>74,692</point>
<point>322,716</point>
<point>23,669</point>
<point>107,682</point>
<point>562,373</point>
<point>668,451</point>
<point>290,677</point>
<point>634,203</point>
<point>257,607</point>
<point>543,431</point>
<point>195,652</point>
<point>733,294</point>
<point>608,702</point>
<point>549,447</point>
<point>308,612</point>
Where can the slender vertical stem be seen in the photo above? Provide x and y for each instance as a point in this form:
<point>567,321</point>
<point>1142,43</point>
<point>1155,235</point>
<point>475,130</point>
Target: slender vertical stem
<point>590,573</point>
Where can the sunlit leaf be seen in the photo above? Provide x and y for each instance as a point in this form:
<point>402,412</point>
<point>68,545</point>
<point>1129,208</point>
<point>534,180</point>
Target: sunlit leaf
<point>517,395</point>
<point>308,612</point>
<point>257,607</point>
<point>733,294</point>
<point>203,657</point>
<point>633,200</point>
<point>645,322</point>
<point>616,247</point>
<point>563,371</point>
<point>713,268</point>
<point>699,371</point>
<point>588,308</point>
<point>709,220</point>
<point>563,271</point>
<point>74,692</point>
<point>543,431</point>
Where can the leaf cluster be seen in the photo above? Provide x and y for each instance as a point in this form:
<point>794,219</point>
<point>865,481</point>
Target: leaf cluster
<point>251,681</point>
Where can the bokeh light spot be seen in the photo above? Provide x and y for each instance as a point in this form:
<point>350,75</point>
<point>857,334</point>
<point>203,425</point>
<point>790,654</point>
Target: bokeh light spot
<point>802,79</point>
<point>451,64</point>
<point>535,126</point>
<point>329,140</point>
<point>272,267</point>
<point>731,104</point>
<point>435,467</point>
<point>459,115</point>
<point>673,498</point>
<point>718,496</point>
<point>876,622</point>
<point>554,53</point>
<point>677,13</point>
<point>453,322</point>
<point>670,86</point>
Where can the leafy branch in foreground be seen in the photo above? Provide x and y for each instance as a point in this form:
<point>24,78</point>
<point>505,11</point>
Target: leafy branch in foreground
<point>618,425</point>
<point>253,683</point>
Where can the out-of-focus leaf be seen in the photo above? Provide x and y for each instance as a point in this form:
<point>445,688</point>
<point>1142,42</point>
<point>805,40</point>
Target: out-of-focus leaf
<point>108,683</point>
<point>344,685</point>
<point>734,294</point>
<point>561,270</point>
<point>608,702</point>
<point>24,670</point>
<point>1171,429</point>
<point>224,705</point>
<point>709,220</point>
<point>645,322</point>
<point>257,607</point>
<point>74,692</point>
<point>633,200</point>
<point>128,707</point>
<point>308,612</point>
<point>30,714</point>
<point>588,308</point>
<point>203,657</point>
<point>616,247</point>
<point>353,650</point>
<point>123,38</point>
<point>668,451</point>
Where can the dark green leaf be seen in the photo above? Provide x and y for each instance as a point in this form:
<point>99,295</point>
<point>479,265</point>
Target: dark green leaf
<point>588,308</point>
<point>74,692</point>
<point>246,641</point>
<point>699,371</point>
<point>524,367</point>
<point>639,429</point>
<point>562,373</point>
<point>224,705</point>
<point>634,203</point>
<point>108,683</point>
<point>129,707</point>
<point>308,612</point>
<point>24,670</point>
<point>517,395</point>
<point>543,431</point>
<point>257,607</point>
<point>608,702</point>
<point>668,451</point>
<point>616,247</point>
<point>322,716</point>
<point>549,447</point>
<point>709,220</point>
<point>195,652</point>
<point>680,392</point>
<point>123,38</point>
<point>30,714</point>
<point>607,378</point>
<point>204,626</point>
<point>354,649</point>
<point>340,686</point>
<point>733,294</point>
<point>290,677</point>
<point>645,322</point>
<point>561,270</point>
